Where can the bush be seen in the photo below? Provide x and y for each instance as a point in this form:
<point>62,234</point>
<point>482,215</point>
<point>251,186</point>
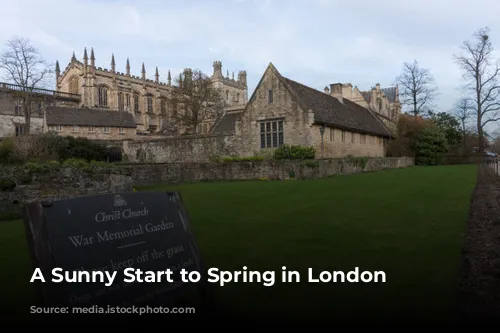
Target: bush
<point>81,148</point>
<point>7,151</point>
<point>50,147</point>
<point>430,146</point>
<point>75,163</point>
<point>294,153</point>
<point>7,185</point>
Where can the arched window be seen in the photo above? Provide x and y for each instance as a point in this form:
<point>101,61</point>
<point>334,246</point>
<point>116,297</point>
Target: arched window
<point>127,103</point>
<point>150,104</point>
<point>73,85</point>
<point>163,106</point>
<point>238,97</point>
<point>103,96</point>
<point>121,102</point>
<point>136,102</point>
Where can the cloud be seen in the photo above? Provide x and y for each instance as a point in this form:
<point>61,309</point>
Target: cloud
<point>316,42</point>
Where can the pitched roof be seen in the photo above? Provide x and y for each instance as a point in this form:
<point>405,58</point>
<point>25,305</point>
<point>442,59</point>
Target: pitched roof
<point>366,95</point>
<point>390,93</point>
<point>329,110</point>
<point>225,122</point>
<point>89,117</point>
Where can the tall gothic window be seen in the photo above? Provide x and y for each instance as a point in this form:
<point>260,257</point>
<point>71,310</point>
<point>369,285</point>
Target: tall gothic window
<point>127,101</point>
<point>120,101</point>
<point>103,96</point>
<point>73,85</point>
<point>150,104</point>
<point>136,102</point>
<point>163,106</point>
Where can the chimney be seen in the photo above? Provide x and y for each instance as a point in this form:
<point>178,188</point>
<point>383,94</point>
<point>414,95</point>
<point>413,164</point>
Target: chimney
<point>327,91</point>
<point>336,90</point>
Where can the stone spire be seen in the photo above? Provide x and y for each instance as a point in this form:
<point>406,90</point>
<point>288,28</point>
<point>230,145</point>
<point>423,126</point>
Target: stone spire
<point>227,74</point>
<point>113,62</point>
<point>157,75</point>
<point>73,58</point>
<point>92,57</point>
<point>169,79</point>
<point>128,67</point>
<point>180,79</point>
<point>233,76</point>
<point>58,71</point>
<point>85,57</point>
<point>143,72</point>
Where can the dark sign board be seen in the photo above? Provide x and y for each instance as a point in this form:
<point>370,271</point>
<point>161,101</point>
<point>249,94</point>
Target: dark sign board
<point>146,231</point>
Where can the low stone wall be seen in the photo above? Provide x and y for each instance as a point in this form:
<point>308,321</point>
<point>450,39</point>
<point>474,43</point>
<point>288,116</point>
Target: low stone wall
<point>188,149</point>
<point>149,174</point>
<point>62,183</point>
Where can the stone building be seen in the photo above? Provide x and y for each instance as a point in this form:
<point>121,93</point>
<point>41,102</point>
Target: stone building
<point>93,124</point>
<point>12,118</point>
<point>146,99</point>
<point>384,102</point>
<point>282,111</point>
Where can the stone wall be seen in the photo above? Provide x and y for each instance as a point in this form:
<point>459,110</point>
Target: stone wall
<point>339,143</point>
<point>94,133</point>
<point>149,174</point>
<point>69,182</point>
<point>58,184</point>
<point>296,122</point>
<point>192,149</point>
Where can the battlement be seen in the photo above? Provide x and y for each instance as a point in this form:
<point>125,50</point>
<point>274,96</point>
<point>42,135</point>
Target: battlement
<point>89,67</point>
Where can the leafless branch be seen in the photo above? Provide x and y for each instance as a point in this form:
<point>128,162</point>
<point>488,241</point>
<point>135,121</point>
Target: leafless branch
<point>23,66</point>
<point>417,87</point>
<point>195,99</point>
<point>481,71</point>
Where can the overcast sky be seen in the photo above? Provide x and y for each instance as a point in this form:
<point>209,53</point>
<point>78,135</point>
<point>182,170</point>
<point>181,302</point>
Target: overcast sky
<point>315,42</point>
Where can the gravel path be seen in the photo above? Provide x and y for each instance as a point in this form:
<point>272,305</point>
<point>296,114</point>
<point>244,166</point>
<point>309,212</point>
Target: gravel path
<point>480,280</point>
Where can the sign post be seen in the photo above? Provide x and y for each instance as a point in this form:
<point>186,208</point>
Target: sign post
<point>114,238</point>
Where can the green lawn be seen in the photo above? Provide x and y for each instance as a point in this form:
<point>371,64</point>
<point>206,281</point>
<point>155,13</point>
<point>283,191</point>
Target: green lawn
<point>409,223</point>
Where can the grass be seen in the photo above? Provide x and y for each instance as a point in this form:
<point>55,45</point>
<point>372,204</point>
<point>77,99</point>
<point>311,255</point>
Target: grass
<point>408,223</point>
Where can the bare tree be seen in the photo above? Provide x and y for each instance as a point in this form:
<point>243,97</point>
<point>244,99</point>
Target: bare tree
<point>194,100</point>
<point>481,72</point>
<point>463,111</point>
<point>24,67</point>
<point>417,88</point>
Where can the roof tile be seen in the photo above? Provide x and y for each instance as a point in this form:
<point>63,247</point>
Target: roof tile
<point>89,117</point>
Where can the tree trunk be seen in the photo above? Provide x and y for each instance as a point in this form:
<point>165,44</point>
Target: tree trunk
<point>464,137</point>
<point>27,115</point>
<point>415,112</point>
